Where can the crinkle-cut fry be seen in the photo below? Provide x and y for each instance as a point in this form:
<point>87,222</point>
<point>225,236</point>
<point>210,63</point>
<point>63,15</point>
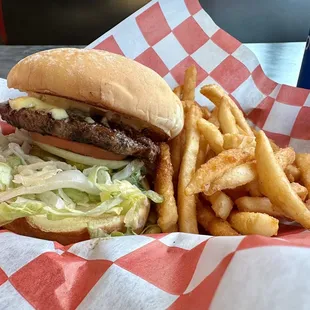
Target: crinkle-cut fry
<point>189,86</point>
<point>237,141</point>
<point>226,118</point>
<point>203,149</point>
<point>303,163</point>
<point>258,204</point>
<point>167,210</point>
<point>212,135</point>
<point>300,190</point>
<point>233,178</point>
<point>215,226</point>
<point>187,203</point>
<point>221,204</point>
<point>292,173</point>
<point>253,189</point>
<point>179,91</point>
<point>215,93</point>
<point>216,167</point>
<point>275,185</point>
<point>253,223</point>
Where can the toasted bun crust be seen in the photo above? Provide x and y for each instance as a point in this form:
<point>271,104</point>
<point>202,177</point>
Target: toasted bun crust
<point>101,79</point>
<point>72,230</point>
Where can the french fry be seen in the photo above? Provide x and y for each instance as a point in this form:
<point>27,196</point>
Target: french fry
<point>187,203</point>
<point>246,173</point>
<point>237,141</point>
<point>235,177</point>
<point>167,210</point>
<point>203,149</point>
<point>206,114</point>
<point>177,144</point>
<point>251,223</point>
<point>216,167</point>
<point>236,193</point>
<point>253,189</point>
<point>176,151</point>
<point>258,204</point>
<point>179,91</point>
<point>275,185</point>
<point>221,204</point>
<point>285,157</point>
<point>152,229</point>
<point>219,227</point>
<point>303,163</point>
<point>190,83</point>
<point>300,190</point>
<point>215,226</point>
<point>227,120</point>
<point>153,217</point>
<point>210,154</point>
<point>214,117</point>
<point>241,131</point>
<point>187,105</point>
<point>204,214</point>
<point>215,93</point>
<point>274,147</point>
<point>292,173</point>
<point>212,135</point>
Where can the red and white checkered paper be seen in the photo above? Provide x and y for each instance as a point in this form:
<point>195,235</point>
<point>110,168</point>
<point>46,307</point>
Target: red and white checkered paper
<point>176,271</point>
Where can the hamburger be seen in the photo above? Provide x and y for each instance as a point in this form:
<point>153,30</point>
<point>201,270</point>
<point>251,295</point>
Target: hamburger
<point>88,129</point>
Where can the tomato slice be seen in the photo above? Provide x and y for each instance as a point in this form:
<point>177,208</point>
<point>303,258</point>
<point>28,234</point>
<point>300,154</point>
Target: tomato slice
<point>76,147</point>
<point>6,128</point>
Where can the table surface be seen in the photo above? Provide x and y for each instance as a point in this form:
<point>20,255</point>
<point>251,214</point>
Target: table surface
<point>280,61</point>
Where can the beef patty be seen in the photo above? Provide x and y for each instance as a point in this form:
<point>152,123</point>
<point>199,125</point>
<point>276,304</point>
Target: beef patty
<point>125,142</point>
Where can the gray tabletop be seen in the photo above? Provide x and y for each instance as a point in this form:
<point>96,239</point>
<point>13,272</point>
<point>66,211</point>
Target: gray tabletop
<point>280,61</point>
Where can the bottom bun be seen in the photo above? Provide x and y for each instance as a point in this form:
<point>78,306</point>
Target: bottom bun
<point>74,229</point>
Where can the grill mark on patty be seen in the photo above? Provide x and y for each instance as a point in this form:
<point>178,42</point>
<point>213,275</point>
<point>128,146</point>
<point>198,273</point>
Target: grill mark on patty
<point>75,128</point>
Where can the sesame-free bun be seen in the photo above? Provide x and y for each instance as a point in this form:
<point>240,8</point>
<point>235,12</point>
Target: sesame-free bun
<point>74,229</point>
<point>104,80</point>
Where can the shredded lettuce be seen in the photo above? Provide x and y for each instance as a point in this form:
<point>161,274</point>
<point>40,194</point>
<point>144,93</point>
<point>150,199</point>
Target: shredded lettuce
<point>75,196</point>
<point>21,208</point>
<point>66,179</point>
<point>131,169</point>
<point>13,161</point>
<point>5,176</point>
<point>60,184</point>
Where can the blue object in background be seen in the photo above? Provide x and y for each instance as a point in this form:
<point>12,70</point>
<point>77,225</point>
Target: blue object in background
<point>304,75</point>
